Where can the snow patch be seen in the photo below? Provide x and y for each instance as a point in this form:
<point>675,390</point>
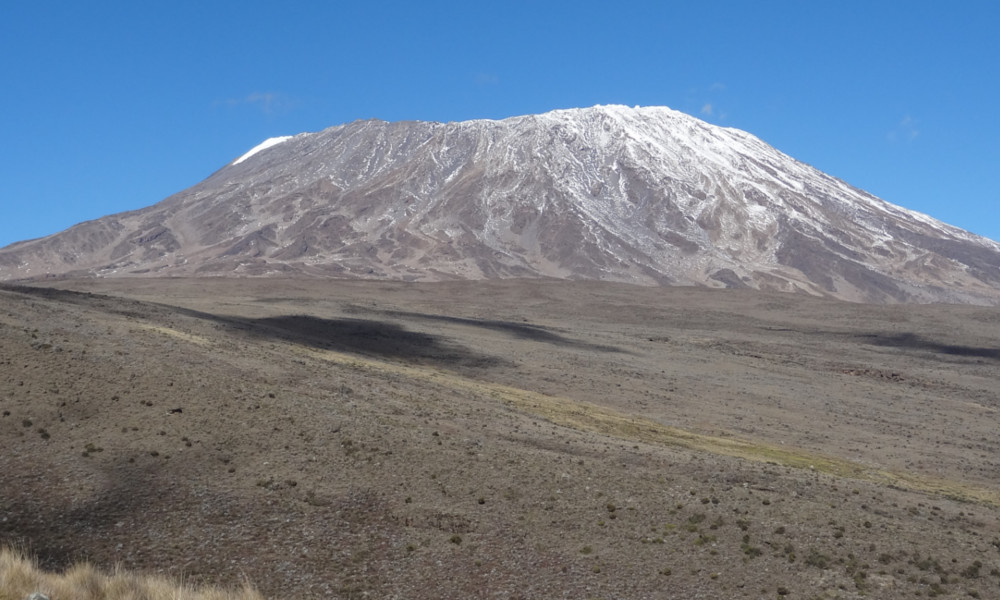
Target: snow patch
<point>262,146</point>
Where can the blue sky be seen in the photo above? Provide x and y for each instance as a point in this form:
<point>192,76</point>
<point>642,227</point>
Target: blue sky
<point>110,106</point>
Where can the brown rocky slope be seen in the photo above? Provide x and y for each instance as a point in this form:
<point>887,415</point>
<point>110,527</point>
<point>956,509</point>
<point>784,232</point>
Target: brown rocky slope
<point>534,439</point>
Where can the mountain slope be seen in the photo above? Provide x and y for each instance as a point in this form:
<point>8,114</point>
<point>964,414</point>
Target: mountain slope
<point>643,195</point>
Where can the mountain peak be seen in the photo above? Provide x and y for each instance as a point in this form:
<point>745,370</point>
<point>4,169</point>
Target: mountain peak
<point>646,195</point>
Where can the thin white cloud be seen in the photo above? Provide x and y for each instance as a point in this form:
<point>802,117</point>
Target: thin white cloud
<point>267,102</point>
<point>905,131</point>
<point>708,99</point>
<point>487,79</point>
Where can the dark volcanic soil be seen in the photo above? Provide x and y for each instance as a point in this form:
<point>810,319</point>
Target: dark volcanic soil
<point>513,439</point>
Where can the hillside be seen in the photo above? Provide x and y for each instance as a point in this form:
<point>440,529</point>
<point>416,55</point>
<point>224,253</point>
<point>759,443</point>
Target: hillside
<point>536,439</point>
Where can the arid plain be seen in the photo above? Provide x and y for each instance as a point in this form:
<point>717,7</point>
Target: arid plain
<point>502,439</point>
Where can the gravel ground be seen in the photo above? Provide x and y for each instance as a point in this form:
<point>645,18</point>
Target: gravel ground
<point>514,439</point>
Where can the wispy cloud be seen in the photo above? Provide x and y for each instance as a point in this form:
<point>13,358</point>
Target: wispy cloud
<point>711,100</point>
<point>487,79</point>
<point>905,131</point>
<point>267,102</point>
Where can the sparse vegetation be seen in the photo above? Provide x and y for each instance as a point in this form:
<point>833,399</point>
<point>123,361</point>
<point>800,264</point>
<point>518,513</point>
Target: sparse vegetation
<point>972,571</point>
<point>20,577</point>
<point>817,559</point>
<point>532,473</point>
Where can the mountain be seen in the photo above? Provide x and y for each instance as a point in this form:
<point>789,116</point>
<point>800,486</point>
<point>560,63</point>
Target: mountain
<point>643,195</point>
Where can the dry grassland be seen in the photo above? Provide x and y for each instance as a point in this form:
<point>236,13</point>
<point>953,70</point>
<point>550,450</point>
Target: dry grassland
<point>519,439</point>
<point>21,577</point>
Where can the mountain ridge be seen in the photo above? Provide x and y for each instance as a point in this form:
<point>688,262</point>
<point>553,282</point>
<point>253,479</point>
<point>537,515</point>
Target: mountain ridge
<point>642,195</point>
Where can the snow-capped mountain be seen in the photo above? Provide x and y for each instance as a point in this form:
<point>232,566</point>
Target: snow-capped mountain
<point>644,195</point>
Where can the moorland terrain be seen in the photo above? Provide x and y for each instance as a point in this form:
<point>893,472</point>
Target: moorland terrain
<point>502,439</point>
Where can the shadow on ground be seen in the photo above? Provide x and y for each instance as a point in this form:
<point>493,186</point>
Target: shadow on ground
<point>363,336</point>
<point>915,342</point>
<point>368,337</point>
<point>371,337</point>
<point>903,341</point>
<point>522,331</point>
<point>56,530</point>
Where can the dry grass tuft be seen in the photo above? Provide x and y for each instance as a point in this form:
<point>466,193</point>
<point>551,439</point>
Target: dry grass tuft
<point>20,576</point>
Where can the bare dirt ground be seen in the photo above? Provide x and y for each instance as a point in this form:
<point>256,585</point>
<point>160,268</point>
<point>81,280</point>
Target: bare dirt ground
<point>517,439</point>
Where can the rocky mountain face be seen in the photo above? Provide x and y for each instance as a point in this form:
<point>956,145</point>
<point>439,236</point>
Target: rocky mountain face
<point>644,195</point>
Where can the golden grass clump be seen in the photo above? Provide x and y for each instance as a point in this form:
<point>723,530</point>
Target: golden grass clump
<point>20,576</point>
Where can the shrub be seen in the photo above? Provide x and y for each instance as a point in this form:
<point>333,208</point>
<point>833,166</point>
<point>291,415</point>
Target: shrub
<point>816,559</point>
<point>972,571</point>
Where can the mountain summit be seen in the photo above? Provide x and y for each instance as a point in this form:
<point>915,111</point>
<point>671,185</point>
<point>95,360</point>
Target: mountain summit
<point>643,195</point>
